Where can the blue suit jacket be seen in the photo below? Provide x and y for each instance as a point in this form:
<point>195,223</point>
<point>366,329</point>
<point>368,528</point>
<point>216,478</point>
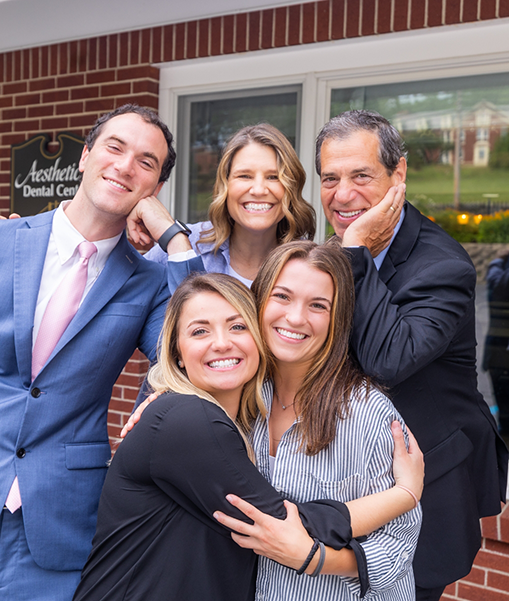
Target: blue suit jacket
<point>53,431</point>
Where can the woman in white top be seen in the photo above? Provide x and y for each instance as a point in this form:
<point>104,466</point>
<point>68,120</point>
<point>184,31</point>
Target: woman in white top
<point>327,433</point>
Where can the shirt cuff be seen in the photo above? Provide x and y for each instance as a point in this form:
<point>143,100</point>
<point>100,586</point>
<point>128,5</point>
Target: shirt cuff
<point>182,256</point>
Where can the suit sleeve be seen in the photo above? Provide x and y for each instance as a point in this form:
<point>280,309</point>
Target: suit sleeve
<point>199,457</point>
<point>154,323</point>
<point>179,270</point>
<point>397,335</point>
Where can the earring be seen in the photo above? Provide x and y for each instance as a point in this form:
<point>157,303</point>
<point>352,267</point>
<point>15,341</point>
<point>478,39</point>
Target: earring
<point>180,364</point>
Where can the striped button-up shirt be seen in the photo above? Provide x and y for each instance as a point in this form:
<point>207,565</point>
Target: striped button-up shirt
<point>357,463</point>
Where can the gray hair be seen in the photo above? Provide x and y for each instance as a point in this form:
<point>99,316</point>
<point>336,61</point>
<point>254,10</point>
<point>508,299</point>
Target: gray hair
<point>392,146</point>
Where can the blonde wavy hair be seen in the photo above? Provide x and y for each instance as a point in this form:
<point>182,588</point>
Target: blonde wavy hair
<point>166,375</point>
<point>299,219</point>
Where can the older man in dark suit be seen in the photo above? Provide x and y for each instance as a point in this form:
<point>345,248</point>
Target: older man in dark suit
<point>414,330</point>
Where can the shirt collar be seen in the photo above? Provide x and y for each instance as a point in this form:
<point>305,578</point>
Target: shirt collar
<point>379,259</point>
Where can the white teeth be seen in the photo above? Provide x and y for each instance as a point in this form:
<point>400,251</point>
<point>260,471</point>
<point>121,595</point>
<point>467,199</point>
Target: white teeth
<point>117,184</point>
<point>256,206</point>
<point>293,335</point>
<point>349,214</point>
<point>224,363</point>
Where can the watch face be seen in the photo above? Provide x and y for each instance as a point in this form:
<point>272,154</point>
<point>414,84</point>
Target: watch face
<point>184,227</point>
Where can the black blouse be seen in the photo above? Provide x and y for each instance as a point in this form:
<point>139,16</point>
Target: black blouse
<point>156,538</point>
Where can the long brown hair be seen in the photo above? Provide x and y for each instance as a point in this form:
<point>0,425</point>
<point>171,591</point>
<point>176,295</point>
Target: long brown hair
<point>299,216</point>
<point>167,375</point>
<point>334,376</point>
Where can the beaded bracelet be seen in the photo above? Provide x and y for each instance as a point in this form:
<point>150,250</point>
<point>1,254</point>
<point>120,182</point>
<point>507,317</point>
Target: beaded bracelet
<point>308,559</point>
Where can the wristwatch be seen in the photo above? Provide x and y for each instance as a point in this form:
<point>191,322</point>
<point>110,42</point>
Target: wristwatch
<point>177,228</point>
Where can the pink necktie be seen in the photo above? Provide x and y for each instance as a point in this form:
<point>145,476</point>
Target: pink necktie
<point>61,308</point>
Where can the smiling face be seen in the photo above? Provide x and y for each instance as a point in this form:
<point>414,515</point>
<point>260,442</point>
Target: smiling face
<point>254,190</point>
<point>216,348</point>
<point>296,319</point>
<point>353,179</point>
<point>121,168</point>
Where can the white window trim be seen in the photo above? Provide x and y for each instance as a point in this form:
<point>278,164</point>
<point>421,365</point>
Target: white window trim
<point>436,53</point>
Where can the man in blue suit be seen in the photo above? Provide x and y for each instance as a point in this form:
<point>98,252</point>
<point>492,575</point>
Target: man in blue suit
<point>53,432</point>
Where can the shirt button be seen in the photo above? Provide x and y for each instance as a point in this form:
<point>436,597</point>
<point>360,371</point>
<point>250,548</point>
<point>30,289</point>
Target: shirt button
<point>36,393</point>
<point>21,453</point>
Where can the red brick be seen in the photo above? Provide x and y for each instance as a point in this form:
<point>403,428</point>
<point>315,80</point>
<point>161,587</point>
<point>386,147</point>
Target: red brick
<point>17,64</point>
<point>100,105</point>
<point>368,17</point>
<point>215,36</point>
<point>504,524</point>
<point>102,52</point>
<point>63,58</point>
<point>123,406</point>
<point>240,34</point>
<point>499,581</point>
<point>117,392</point>
<point>128,380</point>
<point>452,11</point>
<point>69,81</point>
<point>26,125</point>
<point>280,16</point>
<point>69,108</point>
<point>55,96</point>
<point>496,546</point>
<point>308,23</point>
<point>384,16</point>
<point>134,52</point>
<point>267,25</point>
<point>434,13</point>
<point>84,52</point>
<point>488,9</point>
<point>26,64</point>
<point>228,27</point>
<point>474,593</point>
<point>72,57</point>
<point>134,366</point>
<point>42,110</point>
<point>145,45</point>
<point>34,63</point>
<point>141,99</point>
<point>18,113</point>
<point>53,59</point>
<point>489,527</point>
<point>8,140</point>
<point>91,51</point>
<point>503,9</point>
<point>254,31</point>
<point>83,121</point>
<point>123,47</point>
<point>400,15</point>
<point>131,394</point>
<point>157,37</point>
<point>322,20</point>
<point>85,92</point>
<point>54,123</point>
<point>146,86</point>
<point>493,561</point>
<point>168,43</point>
<point>100,77</point>
<point>116,89</point>
<point>2,68</point>
<point>112,50</point>
<point>25,99</point>
<point>294,24</point>
<point>140,72</point>
<point>114,419</point>
<point>352,18</point>
<point>6,101</point>
<point>43,61</point>
<point>192,32</point>
<point>8,67</point>
<point>5,126</point>
<point>114,432</point>
<point>15,88</point>
<point>41,84</point>
<point>476,576</point>
<point>180,41</point>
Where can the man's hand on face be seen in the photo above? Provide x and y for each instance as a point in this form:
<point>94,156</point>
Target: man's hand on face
<point>375,228</point>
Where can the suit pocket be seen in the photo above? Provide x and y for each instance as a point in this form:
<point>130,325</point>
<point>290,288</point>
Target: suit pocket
<point>84,456</point>
<point>446,456</point>
<point>127,309</point>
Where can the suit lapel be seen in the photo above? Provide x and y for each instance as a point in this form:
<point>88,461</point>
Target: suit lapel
<point>118,269</point>
<point>402,244</point>
<point>29,255</point>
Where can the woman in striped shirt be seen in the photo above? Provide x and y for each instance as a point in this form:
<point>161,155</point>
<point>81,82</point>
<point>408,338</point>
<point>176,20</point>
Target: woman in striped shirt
<point>327,433</point>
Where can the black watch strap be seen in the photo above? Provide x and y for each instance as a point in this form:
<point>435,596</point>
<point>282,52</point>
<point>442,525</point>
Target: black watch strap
<point>177,228</point>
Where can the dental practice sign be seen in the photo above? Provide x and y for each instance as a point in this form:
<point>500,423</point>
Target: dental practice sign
<point>41,180</point>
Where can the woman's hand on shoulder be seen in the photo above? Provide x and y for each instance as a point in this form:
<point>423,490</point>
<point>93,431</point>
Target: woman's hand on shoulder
<point>408,466</point>
<point>134,418</point>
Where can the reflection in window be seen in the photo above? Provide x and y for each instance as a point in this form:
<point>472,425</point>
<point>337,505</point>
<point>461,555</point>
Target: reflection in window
<point>207,123</point>
<point>463,120</point>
